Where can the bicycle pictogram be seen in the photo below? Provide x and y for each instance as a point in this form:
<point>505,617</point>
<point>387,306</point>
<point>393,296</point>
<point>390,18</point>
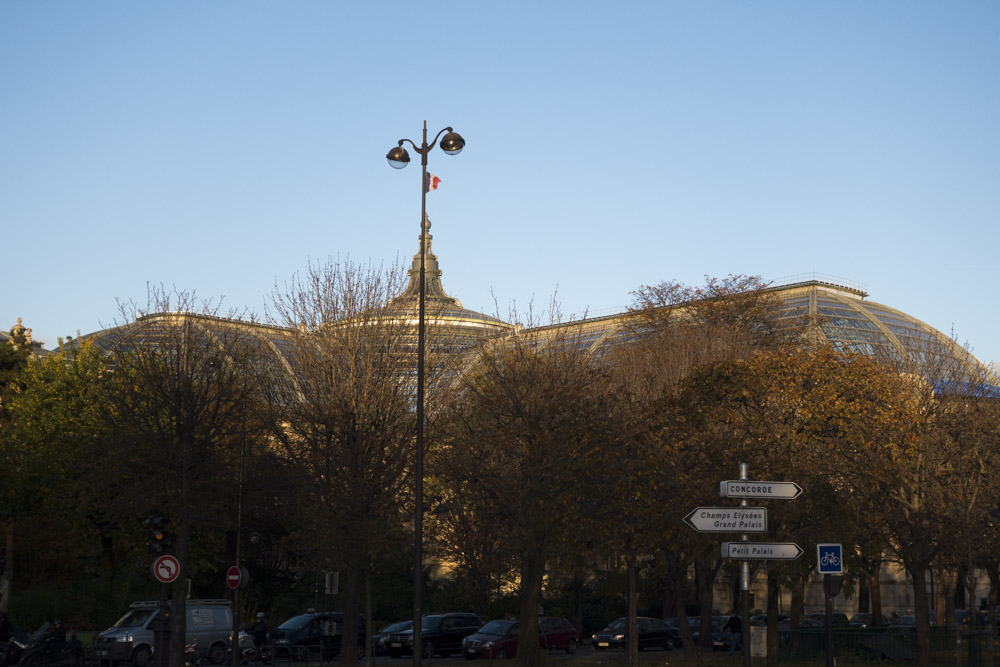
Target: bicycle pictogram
<point>830,558</point>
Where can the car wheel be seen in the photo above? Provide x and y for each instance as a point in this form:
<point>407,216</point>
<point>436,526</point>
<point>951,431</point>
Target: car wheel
<point>300,653</point>
<point>216,654</point>
<point>669,644</point>
<point>501,654</point>
<point>428,651</point>
<point>361,651</point>
<point>141,656</point>
<point>571,646</point>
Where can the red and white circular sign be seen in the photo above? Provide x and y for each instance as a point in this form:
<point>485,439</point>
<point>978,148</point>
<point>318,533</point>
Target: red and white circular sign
<point>234,576</point>
<point>166,568</point>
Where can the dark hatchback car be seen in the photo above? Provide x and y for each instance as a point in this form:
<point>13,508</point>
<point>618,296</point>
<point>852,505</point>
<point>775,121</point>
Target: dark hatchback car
<point>498,639</point>
<point>380,639</point>
<point>314,635</point>
<point>439,633</point>
<point>652,633</point>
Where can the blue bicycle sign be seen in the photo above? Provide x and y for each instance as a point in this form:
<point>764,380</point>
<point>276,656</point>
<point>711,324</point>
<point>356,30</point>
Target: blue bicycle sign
<point>830,558</point>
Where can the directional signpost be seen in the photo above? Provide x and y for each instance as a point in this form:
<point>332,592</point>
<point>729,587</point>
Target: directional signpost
<point>744,488</point>
<point>744,520</point>
<point>728,519</point>
<point>761,550</point>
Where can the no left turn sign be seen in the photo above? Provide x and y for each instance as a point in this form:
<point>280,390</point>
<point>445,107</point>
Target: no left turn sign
<point>166,569</point>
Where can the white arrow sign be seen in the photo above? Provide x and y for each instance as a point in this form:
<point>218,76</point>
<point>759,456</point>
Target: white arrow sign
<point>728,519</point>
<point>744,488</point>
<point>761,550</point>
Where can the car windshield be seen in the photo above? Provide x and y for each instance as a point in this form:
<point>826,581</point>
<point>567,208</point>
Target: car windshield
<point>135,618</point>
<point>431,622</point>
<point>496,628</point>
<point>296,622</point>
<point>617,625</point>
<point>398,627</point>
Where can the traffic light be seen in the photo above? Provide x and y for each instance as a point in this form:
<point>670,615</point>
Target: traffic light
<point>158,535</point>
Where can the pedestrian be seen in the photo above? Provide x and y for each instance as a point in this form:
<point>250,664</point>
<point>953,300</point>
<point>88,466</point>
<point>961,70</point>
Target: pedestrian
<point>259,630</point>
<point>56,641</point>
<point>735,626</point>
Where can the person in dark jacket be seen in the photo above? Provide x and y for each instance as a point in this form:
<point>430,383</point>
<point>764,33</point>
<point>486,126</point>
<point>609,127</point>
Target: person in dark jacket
<point>56,640</point>
<point>259,630</point>
<point>735,626</point>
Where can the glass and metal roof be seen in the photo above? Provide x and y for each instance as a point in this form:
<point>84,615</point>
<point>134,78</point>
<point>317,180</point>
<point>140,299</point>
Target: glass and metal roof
<point>837,314</point>
<point>834,311</point>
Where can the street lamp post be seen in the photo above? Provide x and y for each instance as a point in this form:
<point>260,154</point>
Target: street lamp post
<point>452,144</point>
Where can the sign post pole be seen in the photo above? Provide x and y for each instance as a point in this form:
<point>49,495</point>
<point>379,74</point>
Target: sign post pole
<point>744,587</point>
<point>166,569</point>
<point>829,562</point>
<point>744,520</point>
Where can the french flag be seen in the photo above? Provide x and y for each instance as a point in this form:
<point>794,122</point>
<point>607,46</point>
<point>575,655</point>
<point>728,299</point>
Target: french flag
<point>431,182</point>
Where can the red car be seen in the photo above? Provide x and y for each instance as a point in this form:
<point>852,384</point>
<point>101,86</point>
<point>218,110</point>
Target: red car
<point>498,639</point>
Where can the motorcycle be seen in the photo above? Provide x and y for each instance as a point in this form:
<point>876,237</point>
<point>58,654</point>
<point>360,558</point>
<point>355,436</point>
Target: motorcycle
<point>39,651</point>
<point>192,656</point>
<point>10,649</point>
<point>251,653</point>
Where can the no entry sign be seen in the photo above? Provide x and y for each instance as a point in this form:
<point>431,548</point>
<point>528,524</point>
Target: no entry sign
<point>236,577</point>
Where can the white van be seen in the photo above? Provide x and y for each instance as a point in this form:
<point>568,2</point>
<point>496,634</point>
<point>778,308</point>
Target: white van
<point>130,639</point>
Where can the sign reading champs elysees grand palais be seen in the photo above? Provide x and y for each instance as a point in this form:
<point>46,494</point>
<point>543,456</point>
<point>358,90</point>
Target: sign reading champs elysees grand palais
<point>728,519</point>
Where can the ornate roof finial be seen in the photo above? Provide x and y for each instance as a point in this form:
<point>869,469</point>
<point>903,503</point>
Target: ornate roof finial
<point>433,290</point>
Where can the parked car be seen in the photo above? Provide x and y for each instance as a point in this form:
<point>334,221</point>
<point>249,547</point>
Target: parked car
<point>838,619</point>
<point>380,640</point>
<point>439,633</point>
<point>716,629</point>
<point>865,621</point>
<point>910,621</point>
<point>761,619</point>
<point>651,632</point>
<point>314,634</point>
<point>209,625</point>
<point>498,639</point>
<point>804,624</point>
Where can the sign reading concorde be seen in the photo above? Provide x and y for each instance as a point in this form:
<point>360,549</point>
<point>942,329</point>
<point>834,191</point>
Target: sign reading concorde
<point>728,519</point>
<point>742,488</point>
<point>761,550</point>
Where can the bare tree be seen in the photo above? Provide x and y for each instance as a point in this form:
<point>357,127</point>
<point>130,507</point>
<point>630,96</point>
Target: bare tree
<point>342,412</point>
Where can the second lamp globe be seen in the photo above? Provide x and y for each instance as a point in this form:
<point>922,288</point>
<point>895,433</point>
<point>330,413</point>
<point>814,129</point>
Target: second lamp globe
<point>452,143</point>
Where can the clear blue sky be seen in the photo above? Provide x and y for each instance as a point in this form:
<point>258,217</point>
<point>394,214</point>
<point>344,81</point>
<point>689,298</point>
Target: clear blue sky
<point>219,146</point>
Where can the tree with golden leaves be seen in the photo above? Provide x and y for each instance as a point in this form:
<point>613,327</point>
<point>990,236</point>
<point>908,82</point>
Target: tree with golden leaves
<point>523,436</point>
<point>801,415</point>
